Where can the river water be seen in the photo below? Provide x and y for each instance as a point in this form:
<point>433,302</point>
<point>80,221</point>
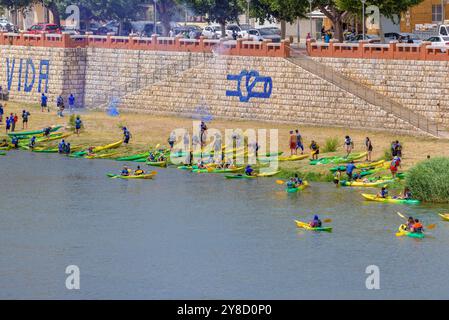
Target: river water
<point>193,236</point>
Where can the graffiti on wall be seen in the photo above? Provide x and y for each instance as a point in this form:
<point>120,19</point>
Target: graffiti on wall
<point>253,82</point>
<point>29,74</point>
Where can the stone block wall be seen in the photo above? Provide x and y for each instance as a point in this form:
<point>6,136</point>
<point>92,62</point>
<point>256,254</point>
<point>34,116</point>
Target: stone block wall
<point>422,86</point>
<point>297,97</point>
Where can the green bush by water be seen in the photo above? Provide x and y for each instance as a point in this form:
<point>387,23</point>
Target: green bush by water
<point>429,180</point>
<point>330,145</point>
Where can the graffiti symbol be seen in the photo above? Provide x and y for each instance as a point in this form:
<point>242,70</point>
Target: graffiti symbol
<point>251,93</point>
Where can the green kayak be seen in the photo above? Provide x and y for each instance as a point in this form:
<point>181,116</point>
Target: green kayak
<point>2,153</point>
<point>24,134</point>
<point>240,176</point>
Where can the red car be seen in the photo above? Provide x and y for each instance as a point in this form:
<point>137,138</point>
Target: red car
<point>44,27</point>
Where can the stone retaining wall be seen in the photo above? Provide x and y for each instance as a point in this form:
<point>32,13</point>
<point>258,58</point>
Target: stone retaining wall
<point>297,97</point>
<point>422,86</point>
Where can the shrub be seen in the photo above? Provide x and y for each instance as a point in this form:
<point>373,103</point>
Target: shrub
<point>429,180</point>
<point>71,123</point>
<point>330,145</point>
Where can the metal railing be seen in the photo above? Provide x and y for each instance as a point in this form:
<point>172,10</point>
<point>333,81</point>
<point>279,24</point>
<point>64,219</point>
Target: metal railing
<point>369,95</point>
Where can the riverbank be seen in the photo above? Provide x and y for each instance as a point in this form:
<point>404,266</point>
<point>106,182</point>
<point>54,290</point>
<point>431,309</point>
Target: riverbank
<point>149,130</point>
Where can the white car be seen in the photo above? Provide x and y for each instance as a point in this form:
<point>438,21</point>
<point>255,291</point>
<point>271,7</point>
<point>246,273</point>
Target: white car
<point>439,41</point>
<point>212,32</point>
<point>264,34</point>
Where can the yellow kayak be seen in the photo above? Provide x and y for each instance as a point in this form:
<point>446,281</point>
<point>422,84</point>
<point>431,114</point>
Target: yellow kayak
<point>364,184</point>
<point>304,185</point>
<point>293,157</point>
<point>268,174</point>
<point>306,226</point>
<point>374,197</point>
<point>370,164</point>
<point>102,156</point>
<point>141,176</point>
<point>444,216</point>
<point>108,146</point>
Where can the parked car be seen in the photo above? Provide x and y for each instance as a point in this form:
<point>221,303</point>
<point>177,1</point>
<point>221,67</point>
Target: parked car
<point>276,30</point>
<point>44,27</point>
<point>7,26</point>
<point>188,31</point>
<point>401,37</point>
<point>371,37</point>
<point>241,30</point>
<point>439,41</point>
<point>212,31</point>
<point>264,34</point>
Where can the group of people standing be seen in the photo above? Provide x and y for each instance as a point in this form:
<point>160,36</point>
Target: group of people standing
<point>12,119</point>
<point>59,103</point>
<point>296,142</point>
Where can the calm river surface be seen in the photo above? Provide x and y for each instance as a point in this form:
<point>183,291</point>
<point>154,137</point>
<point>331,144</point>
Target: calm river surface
<point>191,236</point>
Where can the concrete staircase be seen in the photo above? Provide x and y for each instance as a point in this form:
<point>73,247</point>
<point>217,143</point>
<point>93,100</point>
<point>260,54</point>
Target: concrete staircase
<point>369,95</point>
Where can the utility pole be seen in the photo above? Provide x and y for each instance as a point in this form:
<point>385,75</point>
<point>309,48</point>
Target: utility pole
<point>310,17</point>
<point>363,18</point>
<point>247,11</point>
<point>155,17</point>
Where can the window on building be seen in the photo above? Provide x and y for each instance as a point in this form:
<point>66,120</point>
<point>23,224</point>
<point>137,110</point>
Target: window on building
<point>437,13</point>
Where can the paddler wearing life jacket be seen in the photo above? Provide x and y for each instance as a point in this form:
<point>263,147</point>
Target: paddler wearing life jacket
<point>410,223</point>
<point>32,142</point>
<point>138,171</point>
<point>337,177</point>
<point>125,171</point>
<point>315,149</point>
<point>151,157</point>
<point>297,180</point>
<point>61,146</point>
<point>47,131</point>
<point>394,165</point>
<point>15,142</point>
<point>316,222</point>
<point>417,227</point>
<point>383,192</point>
<point>249,170</point>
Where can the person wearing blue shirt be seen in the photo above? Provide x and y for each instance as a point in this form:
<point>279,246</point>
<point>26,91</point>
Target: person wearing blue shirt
<point>8,124</point>
<point>126,136</point>
<point>32,142</point>
<point>383,192</point>
<point>249,170</point>
<point>15,142</point>
<point>67,148</point>
<point>1,113</point>
<point>78,124</point>
<point>44,103</point>
<point>350,169</point>
<point>61,146</point>
<point>71,102</point>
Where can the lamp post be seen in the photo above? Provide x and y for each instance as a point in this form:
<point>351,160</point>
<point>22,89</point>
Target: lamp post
<point>310,16</point>
<point>363,18</point>
<point>443,3</point>
<point>155,18</point>
<point>247,11</point>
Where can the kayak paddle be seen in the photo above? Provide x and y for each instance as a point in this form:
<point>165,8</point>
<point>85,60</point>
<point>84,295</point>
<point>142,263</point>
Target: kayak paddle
<point>280,182</point>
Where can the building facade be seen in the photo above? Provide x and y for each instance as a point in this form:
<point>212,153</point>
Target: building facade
<point>424,15</point>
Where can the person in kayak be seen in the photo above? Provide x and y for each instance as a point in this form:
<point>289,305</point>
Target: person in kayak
<point>383,192</point>
<point>316,222</point>
<point>138,171</point>
<point>349,145</point>
<point>406,194</point>
<point>201,164</point>
<point>61,146</point>
<point>248,170</point>
<point>125,171</point>
<point>78,124</point>
<point>291,183</point>
<point>394,165</point>
<point>410,223</point>
<point>417,227</point>
<point>315,150</point>
<point>350,169</point>
<point>32,142</point>
<point>297,180</point>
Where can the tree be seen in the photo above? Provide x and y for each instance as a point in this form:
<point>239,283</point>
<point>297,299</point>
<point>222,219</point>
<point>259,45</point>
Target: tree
<point>338,10</point>
<point>279,10</point>
<point>166,9</point>
<point>219,11</point>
